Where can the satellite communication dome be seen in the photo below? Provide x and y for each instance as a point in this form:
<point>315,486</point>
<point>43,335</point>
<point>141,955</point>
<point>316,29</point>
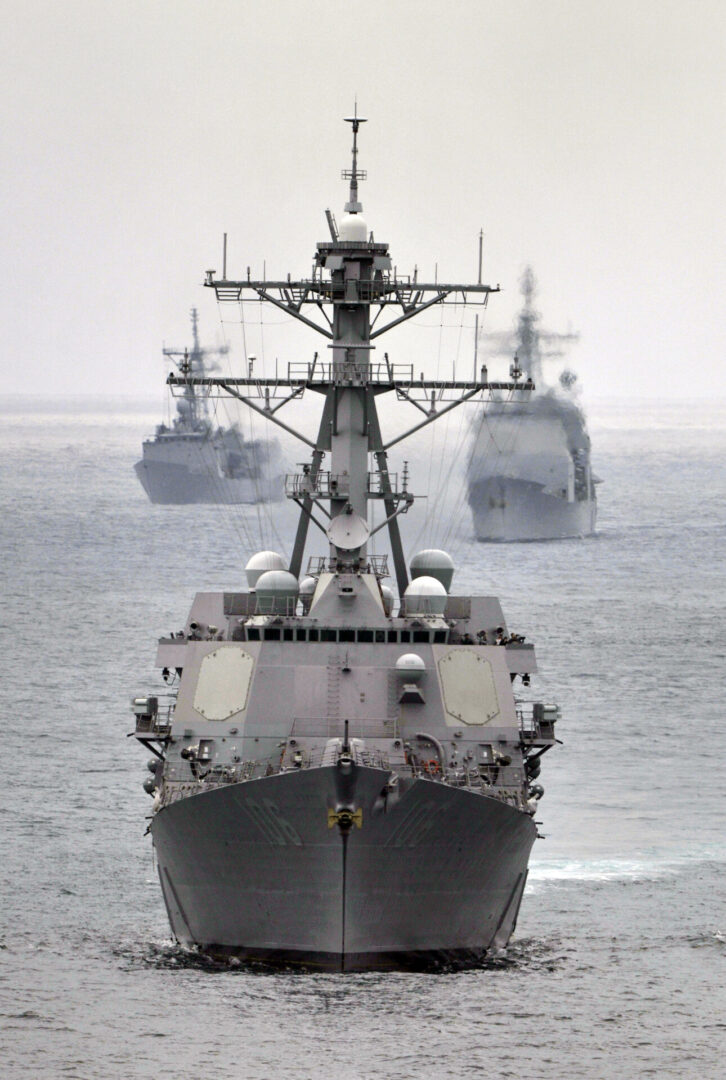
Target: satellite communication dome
<point>260,562</point>
<point>353,227</point>
<point>277,592</point>
<point>411,666</point>
<point>308,586</point>
<point>425,596</point>
<point>387,594</point>
<point>433,563</point>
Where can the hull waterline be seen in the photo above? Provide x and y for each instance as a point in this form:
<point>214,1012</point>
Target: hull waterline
<point>402,891</point>
<point>170,484</point>
<point>505,509</point>
<point>343,773</point>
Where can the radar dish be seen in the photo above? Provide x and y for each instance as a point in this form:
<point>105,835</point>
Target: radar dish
<point>348,531</point>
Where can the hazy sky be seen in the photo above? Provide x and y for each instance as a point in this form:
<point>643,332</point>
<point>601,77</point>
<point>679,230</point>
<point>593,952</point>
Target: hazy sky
<point>585,138</point>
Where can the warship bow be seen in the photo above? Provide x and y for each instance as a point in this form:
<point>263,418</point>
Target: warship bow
<point>343,778</point>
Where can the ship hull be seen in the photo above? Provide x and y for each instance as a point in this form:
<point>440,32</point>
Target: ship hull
<point>507,509</point>
<point>177,484</point>
<point>254,870</point>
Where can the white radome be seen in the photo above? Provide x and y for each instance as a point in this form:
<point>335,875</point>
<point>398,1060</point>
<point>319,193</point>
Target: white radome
<point>259,563</point>
<point>433,563</point>
<point>308,586</point>
<point>411,666</point>
<point>353,227</point>
<point>277,591</point>
<point>425,596</point>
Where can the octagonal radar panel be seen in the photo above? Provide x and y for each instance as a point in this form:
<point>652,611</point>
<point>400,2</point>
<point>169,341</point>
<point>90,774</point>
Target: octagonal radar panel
<point>348,531</point>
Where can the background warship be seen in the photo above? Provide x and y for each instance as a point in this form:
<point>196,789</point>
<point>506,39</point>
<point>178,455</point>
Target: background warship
<point>194,461</point>
<point>529,474</point>
<point>341,778</point>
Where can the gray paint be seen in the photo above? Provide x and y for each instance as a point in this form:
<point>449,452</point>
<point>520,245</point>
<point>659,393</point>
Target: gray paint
<point>315,803</point>
<point>529,473</point>
<point>192,461</point>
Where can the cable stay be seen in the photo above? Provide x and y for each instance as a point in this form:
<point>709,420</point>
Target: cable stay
<point>359,296</point>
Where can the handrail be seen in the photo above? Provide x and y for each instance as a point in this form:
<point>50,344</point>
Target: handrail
<point>324,372</point>
<point>294,759</point>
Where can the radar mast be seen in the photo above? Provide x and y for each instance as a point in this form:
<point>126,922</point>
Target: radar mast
<point>359,297</point>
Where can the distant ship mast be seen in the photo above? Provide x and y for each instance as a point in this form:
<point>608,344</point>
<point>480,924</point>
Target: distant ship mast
<point>530,344</point>
<point>194,412</point>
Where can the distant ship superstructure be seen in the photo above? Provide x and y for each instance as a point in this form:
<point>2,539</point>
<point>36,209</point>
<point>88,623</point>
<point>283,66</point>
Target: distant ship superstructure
<point>529,474</point>
<point>340,779</point>
<point>194,461</point>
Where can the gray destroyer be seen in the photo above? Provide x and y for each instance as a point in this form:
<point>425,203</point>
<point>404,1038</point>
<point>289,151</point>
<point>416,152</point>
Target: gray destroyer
<point>341,778</point>
<point>193,461</point>
<point>529,474</point>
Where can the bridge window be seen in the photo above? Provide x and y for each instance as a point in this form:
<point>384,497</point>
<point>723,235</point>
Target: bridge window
<point>347,635</point>
<point>365,635</point>
<point>272,633</point>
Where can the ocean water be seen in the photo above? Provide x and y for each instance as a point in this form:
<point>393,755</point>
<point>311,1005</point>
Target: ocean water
<point>618,967</point>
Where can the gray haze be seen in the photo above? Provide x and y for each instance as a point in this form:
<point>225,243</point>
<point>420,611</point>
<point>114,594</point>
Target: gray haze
<point>585,139</point>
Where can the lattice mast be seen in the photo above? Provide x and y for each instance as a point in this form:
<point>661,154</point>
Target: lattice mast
<point>353,288</point>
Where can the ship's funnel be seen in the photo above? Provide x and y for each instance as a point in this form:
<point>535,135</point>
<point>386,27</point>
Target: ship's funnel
<point>433,563</point>
<point>259,563</point>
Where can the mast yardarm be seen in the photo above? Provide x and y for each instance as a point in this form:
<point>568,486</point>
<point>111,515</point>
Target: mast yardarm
<point>331,757</point>
<point>360,297</point>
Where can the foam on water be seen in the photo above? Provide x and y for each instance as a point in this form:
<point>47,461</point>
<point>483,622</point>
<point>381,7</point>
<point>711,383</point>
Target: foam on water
<point>629,869</point>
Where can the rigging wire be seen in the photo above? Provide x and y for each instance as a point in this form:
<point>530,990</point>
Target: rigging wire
<point>240,517</point>
<point>258,450</point>
<point>453,531</point>
<point>430,521</point>
<point>207,455</point>
<point>236,519</point>
<point>432,444</point>
<point>493,448</point>
<point>452,514</point>
<point>263,504</point>
<point>439,488</point>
